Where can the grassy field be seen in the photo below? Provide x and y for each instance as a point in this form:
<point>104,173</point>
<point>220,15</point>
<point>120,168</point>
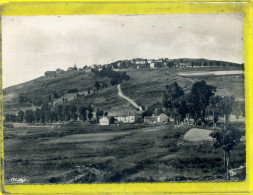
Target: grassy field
<point>39,89</point>
<point>126,153</point>
<point>146,86</point>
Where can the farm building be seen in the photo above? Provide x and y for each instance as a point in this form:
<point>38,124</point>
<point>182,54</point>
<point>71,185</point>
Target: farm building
<point>125,119</point>
<point>150,61</point>
<point>59,71</point>
<point>139,61</point>
<point>184,64</point>
<point>50,74</point>
<point>104,121</point>
<point>141,66</point>
<point>88,69</point>
<point>156,64</point>
<point>150,119</point>
<point>163,119</point>
<point>152,65</point>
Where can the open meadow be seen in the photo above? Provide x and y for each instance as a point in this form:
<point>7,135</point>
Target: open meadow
<point>147,86</point>
<point>105,154</point>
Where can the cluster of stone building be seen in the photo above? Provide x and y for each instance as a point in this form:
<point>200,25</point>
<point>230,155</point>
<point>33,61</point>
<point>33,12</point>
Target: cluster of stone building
<point>140,63</point>
<point>161,119</point>
<point>58,71</point>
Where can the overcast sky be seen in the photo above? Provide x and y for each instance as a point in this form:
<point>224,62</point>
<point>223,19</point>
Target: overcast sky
<point>35,44</point>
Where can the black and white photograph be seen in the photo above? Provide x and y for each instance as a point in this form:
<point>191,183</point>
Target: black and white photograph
<point>156,98</point>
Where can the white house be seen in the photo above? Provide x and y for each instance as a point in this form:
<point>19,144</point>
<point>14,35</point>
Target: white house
<point>156,64</point>
<point>150,61</point>
<point>152,65</point>
<point>163,119</point>
<point>125,119</point>
<point>139,61</point>
<point>104,121</point>
<point>150,119</point>
<point>184,64</point>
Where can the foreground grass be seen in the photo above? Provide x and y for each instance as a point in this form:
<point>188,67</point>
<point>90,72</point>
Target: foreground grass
<point>130,153</point>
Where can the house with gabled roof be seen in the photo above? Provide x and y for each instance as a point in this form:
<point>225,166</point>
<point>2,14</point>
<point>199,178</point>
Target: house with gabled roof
<point>163,119</point>
<point>50,74</point>
<point>125,119</point>
<point>59,71</point>
<point>150,119</point>
<point>104,120</point>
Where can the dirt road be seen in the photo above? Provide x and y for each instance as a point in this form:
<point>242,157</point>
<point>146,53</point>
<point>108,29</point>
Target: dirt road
<point>127,98</point>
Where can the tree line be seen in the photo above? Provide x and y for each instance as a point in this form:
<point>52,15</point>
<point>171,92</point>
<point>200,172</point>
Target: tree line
<point>60,113</point>
<point>199,104</point>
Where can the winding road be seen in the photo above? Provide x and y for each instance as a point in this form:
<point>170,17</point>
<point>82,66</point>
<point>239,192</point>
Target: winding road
<point>127,98</point>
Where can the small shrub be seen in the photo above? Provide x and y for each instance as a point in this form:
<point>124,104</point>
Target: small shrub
<point>173,150</point>
<point>179,178</point>
<point>177,135</point>
<point>8,125</point>
<point>54,180</point>
<point>74,90</point>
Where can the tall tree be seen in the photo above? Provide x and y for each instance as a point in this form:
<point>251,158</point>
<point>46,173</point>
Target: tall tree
<point>215,105</point>
<point>238,109</point>
<point>181,109</point>
<point>22,98</point>
<point>37,115</point>
<point>171,93</point>
<point>82,113</point>
<point>73,111</point>
<point>226,138</point>
<point>7,117</point>
<point>21,116</point>
<point>67,112</point>
<point>90,115</point>
<point>52,116</point>
<point>227,107</point>
<point>13,118</point>
<point>97,85</point>
<point>199,98</point>
<point>29,117</point>
<point>59,112</point>
<point>75,116</point>
<point>97,114</point>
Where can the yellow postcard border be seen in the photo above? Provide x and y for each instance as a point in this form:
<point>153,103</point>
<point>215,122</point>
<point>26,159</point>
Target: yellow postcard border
<point>96,7</point>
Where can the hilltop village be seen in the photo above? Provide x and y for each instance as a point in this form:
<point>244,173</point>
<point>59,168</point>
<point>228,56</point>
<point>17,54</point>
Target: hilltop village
<point>139,63</point>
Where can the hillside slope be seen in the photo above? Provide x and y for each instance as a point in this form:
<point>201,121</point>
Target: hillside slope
<point>145,87</point>
<point>38,90</point>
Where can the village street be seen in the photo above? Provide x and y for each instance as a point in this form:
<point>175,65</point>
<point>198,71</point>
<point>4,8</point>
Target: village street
<point>127,98</point>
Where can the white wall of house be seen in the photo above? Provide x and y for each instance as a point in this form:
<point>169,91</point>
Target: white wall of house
<point>104,121</point>
<point>152,65</point>
<point>162,119</point>
<point>125,119</point>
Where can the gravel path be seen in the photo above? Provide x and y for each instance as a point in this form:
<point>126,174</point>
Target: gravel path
<point>127,98</point>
